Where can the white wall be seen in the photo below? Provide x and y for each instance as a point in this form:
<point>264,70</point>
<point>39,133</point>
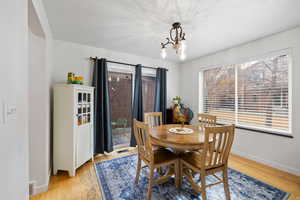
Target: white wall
<point>40,42</point>
<point>13,91</point>
<point>38,165</point>
<point>73,57</point>
<point>276,151</point>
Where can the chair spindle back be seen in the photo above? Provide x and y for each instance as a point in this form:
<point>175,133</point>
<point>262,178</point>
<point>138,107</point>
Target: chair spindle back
<point>207,120</point>
<point>153,119</point>
<point>217,146</point>
<point>142,137</point>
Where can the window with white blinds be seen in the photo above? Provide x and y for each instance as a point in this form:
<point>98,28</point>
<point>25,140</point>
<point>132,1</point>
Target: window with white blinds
<point>253,95</point>
<point>219,93</point>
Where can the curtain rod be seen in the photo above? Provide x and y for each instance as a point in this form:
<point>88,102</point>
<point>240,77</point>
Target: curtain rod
<point>121,63</point>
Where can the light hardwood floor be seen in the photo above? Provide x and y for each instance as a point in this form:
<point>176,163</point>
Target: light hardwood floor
<point>84,185</point>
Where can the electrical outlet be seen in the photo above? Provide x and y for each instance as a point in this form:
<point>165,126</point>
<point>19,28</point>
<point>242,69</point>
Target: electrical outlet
<point>11,112</point>
<point>7,113</point>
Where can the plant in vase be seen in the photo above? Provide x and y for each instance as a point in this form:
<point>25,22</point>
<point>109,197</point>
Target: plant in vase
<point>177,100</point>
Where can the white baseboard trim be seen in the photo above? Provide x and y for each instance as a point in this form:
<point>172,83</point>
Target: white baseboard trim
<point>37,189</point>
<point>268,162</point>
<point>40,189</point>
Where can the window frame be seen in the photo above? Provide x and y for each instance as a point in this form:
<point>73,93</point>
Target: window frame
<point>287,52</point>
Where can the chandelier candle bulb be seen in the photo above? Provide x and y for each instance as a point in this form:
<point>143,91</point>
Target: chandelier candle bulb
<point>182,56</point>
<point>163,53</point>
<point>183,45</point>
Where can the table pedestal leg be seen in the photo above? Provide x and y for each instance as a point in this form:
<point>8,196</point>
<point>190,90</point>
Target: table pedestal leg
<point>166,177</point>
<point>178,175</point>
<point>177,171</point>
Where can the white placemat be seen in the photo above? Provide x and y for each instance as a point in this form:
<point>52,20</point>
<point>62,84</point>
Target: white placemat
<point>179,130</point>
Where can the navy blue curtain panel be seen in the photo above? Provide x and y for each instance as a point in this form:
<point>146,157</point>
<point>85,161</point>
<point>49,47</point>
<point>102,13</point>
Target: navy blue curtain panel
<point>160,103</point>
<point>137,107</point>
<point>102,109</point>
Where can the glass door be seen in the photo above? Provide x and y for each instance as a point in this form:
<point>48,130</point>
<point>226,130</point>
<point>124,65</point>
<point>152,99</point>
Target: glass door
<point>121,83</point>
<point>148,93</point>
<point>120,92</point>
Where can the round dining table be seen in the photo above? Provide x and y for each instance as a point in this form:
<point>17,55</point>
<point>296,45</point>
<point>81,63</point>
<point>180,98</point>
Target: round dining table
<point>163,137</point>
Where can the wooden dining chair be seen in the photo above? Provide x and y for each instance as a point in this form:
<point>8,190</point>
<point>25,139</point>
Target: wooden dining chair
<point>209,160</point>
<point>206,120</point>
<point>152,156</point>
<point>153,119</point>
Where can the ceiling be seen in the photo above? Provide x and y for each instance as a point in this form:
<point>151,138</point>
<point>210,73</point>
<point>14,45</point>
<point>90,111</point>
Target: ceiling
<point>138,27</point>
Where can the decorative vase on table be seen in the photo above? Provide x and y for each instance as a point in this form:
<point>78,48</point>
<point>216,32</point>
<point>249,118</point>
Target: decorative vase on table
<point>182,114</point>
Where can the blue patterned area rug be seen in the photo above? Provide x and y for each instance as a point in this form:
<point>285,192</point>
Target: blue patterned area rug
<point>116,180</point>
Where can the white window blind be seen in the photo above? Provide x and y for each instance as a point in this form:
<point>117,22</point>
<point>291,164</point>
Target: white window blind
<point>263,94</point>
<point>219,93</point>
<point>252,95</point>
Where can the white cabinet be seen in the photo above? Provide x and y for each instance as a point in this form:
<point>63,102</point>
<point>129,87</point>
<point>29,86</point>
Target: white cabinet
<point>73,126</point>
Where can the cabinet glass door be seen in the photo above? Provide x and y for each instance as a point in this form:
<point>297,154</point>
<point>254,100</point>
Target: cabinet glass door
<point>83,108</point>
